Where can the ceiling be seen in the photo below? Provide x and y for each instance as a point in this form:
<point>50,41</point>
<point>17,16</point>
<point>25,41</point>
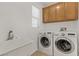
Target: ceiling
<point>47,3</point>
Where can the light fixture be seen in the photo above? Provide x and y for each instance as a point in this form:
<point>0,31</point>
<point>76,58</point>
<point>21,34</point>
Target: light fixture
<point>57,7</point>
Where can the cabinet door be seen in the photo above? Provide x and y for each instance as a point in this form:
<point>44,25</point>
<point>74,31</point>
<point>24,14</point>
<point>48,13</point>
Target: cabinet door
<point>60,12</point>
<point>52,13</point>
<point>45,14</point>
<point>71,11</point>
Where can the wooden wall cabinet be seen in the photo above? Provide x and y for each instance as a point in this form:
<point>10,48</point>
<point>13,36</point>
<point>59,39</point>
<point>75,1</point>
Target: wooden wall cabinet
<point>60,12</point>
<point>46,14</point>
<point>52,13</point>
<point>71,11</point>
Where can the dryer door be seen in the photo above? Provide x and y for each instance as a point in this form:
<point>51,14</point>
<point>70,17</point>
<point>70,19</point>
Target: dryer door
<point>64,45</point>
<point>45,42</point>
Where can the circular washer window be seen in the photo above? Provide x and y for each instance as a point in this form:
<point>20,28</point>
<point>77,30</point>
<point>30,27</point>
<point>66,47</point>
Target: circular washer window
<point>64,45</point>
<point>45,42</point>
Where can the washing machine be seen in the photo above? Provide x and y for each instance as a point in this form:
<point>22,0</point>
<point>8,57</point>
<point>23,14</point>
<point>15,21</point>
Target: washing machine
<point>65,44</point>
<point>46,43</point>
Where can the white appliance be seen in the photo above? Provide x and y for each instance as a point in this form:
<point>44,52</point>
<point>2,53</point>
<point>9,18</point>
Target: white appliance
<point>46,43</point>
<point>65,44</point>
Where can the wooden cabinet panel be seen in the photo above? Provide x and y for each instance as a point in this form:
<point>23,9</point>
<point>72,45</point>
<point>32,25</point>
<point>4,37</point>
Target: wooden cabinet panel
<point>60,12</point>
<point>70,4</point>
<point>65,11</point>
<point>52,13</point>
<point>71,11</point>
<point>45,14</point>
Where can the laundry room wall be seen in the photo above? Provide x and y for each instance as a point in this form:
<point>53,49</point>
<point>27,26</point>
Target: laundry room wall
<point>16,17</point>
<point>55,27</point>
<point>33,46</point>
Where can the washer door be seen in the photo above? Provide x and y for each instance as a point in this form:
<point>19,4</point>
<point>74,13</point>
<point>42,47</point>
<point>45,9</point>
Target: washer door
<point>44,41</point>
<point>64,45</point>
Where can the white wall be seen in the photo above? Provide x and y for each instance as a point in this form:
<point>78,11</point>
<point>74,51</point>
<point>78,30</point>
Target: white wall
<point>23,29</point>
<point>55,27</point>
<point>32,33</point>
<point>17,17</point>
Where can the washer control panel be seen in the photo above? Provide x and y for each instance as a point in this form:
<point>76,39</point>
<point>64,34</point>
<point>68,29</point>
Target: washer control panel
<point>65,34</point>
<point>72,34</point>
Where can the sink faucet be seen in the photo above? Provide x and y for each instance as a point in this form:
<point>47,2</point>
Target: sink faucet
<point>10,35</point>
